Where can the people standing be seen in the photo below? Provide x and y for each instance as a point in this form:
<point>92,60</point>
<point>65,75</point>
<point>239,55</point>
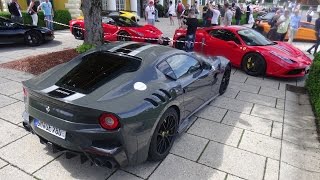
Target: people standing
<point>156,10</point>
<point>15,11</point>
<point>46,7</point>
<point>32,11</point>
<point>228,15</point>
<point>209,15</point>
<point>150,13</point>
<point>294,25</point>
<point>310,14</point>
<point>195,8</point>
<point>283,25</point>
<point>192,25</point>
<point>179,10</point>
<point>238,15</point>
<point>248,12</point>
<point>272,34</point>
<point>317,29</point>
<point>204,14</point>
<point>222,13</point>
<point>215,16</point>
<point>171,12</point>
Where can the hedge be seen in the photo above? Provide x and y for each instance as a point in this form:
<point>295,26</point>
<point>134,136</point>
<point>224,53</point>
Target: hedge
<point>61,16</point>
<point>313,87</point>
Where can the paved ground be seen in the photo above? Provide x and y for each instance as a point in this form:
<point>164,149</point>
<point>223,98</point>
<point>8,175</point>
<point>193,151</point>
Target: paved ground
<point>257,130</point>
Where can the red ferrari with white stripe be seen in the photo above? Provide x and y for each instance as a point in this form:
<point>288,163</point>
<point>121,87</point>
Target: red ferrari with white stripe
<point>249,50</point>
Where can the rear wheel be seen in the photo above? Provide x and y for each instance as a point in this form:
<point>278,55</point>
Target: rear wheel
<point>33,38</point>
<point>124,36</point>
<point>77,32</point>
<point>180,44</point>
<point>254,64</point>
<point>225,80</point>
<point>164,135</point>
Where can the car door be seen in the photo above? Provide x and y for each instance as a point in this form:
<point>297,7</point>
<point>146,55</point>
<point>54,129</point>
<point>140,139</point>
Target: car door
<point>195,81</point>
<point>110,28</point>
<point>10,32</point>
<point>223,42</point>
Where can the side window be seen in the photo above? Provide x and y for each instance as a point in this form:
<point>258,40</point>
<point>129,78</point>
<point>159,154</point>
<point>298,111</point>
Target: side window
<point>308,26</point>
<point>224,35</point>
<point>183,65</point>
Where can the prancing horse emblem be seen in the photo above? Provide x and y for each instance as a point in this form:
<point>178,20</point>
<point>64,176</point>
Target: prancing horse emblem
<point>48,109</point>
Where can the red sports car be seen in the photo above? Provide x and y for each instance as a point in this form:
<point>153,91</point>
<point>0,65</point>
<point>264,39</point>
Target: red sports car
<point>249,50</point>
<point>119,28</point>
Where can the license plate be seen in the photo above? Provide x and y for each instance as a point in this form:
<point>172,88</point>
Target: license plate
<point>307,69</point>
<point>50,129</point>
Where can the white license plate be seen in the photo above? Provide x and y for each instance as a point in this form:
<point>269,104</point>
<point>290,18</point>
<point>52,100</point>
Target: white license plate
<point>50,129</point>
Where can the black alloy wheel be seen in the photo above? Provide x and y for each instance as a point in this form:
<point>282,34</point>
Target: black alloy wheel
<point>33,38</point>
<point>225,80</point>
<point>180,44</point>
<point>123,36</point>
<point>78,33</point>
<point>164,135</point>
<point>254,64</point>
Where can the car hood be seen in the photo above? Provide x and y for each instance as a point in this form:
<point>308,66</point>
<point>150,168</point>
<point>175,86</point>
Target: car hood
<point>288,51</point>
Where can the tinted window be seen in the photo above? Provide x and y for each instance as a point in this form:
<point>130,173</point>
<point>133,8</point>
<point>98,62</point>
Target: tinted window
<point>97,69</point>
<point>183,64</point>
<point>224,35</point>
<point>124,22</point>
<point>254,38</point>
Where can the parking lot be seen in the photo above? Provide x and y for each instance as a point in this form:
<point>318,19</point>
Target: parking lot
<point>259,129</point>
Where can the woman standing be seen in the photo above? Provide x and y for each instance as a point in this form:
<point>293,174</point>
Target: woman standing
<point>32,10</point>
<point>171,12</point>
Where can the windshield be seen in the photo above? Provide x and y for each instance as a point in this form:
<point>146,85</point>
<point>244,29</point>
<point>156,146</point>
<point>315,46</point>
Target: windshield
<point>124,22</point>
<point>254,38</point>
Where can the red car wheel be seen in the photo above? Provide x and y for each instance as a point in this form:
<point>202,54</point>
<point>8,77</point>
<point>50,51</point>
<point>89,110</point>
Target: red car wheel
<point>123,36</point>
<point>254,64</point>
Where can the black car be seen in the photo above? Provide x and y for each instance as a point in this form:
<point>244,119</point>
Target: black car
<point>122,103</point>
<point>11,33</point>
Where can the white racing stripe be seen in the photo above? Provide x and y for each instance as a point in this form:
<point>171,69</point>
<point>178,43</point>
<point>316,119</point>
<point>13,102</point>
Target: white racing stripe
<point>74,97</point>
<point>49,89</point>
<point>121,46</point>
<point>137,51</point>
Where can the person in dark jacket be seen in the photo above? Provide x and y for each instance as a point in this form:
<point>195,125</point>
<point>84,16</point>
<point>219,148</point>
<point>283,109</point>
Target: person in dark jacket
<point>248,13</point>
<point>317,29</point>
<point>238,15</point>
<point>15,11</point>
<point>191,25</point>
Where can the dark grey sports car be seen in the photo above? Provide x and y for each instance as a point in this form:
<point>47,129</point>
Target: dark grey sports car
<point>122,103</point>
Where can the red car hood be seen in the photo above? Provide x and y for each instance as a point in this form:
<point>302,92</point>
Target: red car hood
<point>288,51</point>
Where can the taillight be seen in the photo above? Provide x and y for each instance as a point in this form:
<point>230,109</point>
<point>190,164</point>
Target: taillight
<point>109,121</point>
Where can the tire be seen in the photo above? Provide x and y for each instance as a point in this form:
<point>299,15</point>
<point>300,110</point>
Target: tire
<point>123,36</point>
<point>33,38</point>
<point>78,33</point>
<point>164,135</point>
<point>254,64</point>
<point>181,45</point>
<point>225,80</point>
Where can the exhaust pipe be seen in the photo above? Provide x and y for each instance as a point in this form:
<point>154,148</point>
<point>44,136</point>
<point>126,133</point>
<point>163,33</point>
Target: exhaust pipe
<point>105,163</point>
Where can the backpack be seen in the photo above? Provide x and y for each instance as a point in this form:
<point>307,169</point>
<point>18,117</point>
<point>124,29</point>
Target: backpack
<point>180,8</point>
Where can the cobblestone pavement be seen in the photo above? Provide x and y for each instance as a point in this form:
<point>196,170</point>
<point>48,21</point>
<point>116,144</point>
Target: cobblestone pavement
<point>256,130</point>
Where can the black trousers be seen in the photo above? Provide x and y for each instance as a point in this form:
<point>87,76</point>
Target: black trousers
<point>316,45</point>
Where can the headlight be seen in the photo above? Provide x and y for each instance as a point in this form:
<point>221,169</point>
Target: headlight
<point>282,58</point>
<point>138,33</point>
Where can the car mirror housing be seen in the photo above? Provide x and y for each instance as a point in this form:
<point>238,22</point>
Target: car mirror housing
<point>171,75</point>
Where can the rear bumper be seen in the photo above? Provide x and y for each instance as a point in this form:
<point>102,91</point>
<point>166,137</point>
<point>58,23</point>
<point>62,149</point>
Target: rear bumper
<point>100,147</point>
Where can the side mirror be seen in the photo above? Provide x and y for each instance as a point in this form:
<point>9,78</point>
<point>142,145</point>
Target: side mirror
<point>171,75</point>
<point>206,66</point>
<point>233,44</point>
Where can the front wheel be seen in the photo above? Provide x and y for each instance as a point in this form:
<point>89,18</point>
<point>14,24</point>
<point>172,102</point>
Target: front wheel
<point>164,135</point>
<point>225,80</point>
<point>33,38</point>
<point>78,33</point>
<point>124,36</point>
<point>254,64</point>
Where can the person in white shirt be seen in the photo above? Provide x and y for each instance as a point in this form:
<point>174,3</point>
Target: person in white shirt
<point>150,13</point>
<point>228,15</point>
<point>171,12</point>
<point>310,13</point>
<point>215,15</point>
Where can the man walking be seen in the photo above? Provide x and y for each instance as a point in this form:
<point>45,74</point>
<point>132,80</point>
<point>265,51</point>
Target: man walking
<point>15,11</point>
<point>46,7</point>
<point>294,25</point>
<point>317,29</point>
<point>191,25</point>
<point>228,15</point>
<point>150,13</point>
